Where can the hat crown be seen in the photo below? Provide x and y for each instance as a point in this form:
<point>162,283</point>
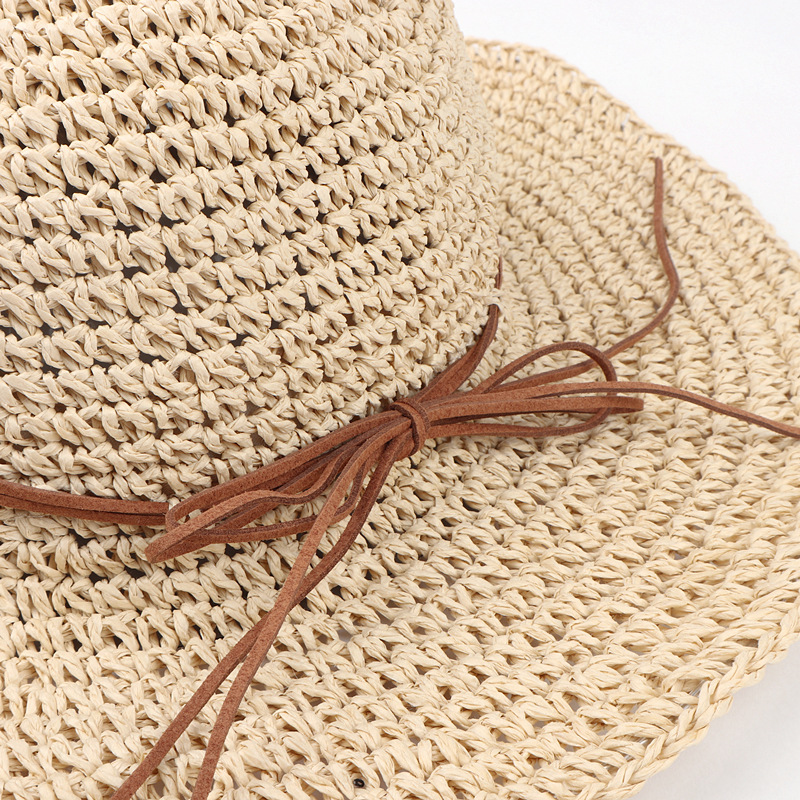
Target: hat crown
<point>225,235</point>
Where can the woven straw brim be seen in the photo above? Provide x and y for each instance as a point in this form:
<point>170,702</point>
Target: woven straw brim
<point>520,619</point>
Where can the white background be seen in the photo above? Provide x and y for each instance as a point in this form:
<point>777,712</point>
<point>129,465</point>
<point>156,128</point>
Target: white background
<point>723,78</point>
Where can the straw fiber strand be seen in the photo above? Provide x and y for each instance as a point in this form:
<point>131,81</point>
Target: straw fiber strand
<point>519,620</point>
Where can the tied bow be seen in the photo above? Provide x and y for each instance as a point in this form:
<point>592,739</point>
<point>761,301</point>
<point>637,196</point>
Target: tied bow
<point>340,462</point>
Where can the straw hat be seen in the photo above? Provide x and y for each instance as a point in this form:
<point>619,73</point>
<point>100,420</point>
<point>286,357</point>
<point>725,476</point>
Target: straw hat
<point>234,235</point>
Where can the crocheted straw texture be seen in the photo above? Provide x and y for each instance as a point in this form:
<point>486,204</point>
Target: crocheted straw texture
<point>519,620</point>
<point>227,229</point>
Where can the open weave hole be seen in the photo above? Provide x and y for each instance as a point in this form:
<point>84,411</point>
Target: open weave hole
<point>227,229</point>
<point>519,620</point>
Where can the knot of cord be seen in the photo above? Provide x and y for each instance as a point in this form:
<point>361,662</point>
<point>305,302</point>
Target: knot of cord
<point>420,422</point>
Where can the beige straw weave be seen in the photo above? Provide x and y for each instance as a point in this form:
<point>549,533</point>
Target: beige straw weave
<point>518,620</point>
<point>259,231</point>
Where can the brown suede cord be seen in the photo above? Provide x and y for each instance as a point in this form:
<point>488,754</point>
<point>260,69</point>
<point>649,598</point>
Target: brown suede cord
<point>340,461</point>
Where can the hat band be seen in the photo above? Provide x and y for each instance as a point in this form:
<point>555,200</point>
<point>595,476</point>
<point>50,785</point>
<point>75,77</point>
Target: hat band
<point>340,461</point>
